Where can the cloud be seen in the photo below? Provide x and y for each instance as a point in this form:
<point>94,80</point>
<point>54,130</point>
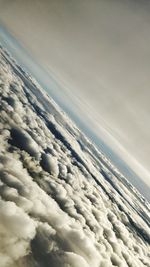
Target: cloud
<point>57,207</point>
<point>16,231</point>
<point>50,164</point>
<point>108,78</point>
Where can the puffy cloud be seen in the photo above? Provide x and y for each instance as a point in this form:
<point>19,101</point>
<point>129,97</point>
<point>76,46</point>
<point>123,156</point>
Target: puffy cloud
<point>23,140</point>
<point>56,208</point>
<point>16,231</point>
<point>49,164</point>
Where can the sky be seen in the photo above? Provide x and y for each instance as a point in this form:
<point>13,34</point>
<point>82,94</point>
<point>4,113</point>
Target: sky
<point>99,52</point>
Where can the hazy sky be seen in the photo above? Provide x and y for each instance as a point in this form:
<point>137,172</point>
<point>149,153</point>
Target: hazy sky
<point>100,52</point>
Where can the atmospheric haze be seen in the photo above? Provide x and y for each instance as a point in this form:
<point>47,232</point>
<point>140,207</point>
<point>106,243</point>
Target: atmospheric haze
<point>100,51</point>
<point>62,203</point>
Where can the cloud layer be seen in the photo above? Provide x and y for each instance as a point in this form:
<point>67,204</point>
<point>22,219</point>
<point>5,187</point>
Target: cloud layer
<point>100,50</point>
<point>62,203</point>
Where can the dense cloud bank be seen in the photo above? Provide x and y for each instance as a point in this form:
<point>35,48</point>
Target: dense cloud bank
<point>61,205</point>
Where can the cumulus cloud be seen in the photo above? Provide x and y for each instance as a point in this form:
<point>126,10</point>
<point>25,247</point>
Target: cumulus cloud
<point>49,164</point>
<point>57,207</point>
<point>17,229</point>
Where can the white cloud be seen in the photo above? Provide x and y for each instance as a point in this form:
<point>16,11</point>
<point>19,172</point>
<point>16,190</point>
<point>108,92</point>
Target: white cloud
<point>16,231</point>
<point>108,78</point>
<point>52,211</point>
